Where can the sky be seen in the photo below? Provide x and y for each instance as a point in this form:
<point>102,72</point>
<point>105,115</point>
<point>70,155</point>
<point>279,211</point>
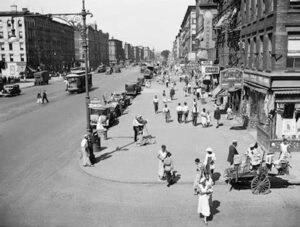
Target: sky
<point>153,23</point>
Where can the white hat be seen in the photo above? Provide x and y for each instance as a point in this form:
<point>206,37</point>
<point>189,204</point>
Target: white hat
<point>209,149</point>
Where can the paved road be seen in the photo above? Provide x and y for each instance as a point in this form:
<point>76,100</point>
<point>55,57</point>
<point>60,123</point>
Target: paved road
<point>41,183</point>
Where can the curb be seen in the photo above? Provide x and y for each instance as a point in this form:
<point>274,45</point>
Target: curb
<point>139,182</point>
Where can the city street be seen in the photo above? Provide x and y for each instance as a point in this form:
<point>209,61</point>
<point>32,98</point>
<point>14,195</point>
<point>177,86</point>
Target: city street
<point>42,182</point>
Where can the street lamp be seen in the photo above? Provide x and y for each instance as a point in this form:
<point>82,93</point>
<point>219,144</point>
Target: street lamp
<point>72,19</point>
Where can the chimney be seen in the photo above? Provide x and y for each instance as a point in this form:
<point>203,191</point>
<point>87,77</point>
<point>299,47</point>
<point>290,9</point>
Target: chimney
<point>25,9</point>
<point>13,8</point>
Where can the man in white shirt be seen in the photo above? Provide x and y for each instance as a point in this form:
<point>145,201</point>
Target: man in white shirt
<point>185,110</point>
<point>137,123</point>
<point>179,113</point>
<point>84,151</point>
<point>102,125</point>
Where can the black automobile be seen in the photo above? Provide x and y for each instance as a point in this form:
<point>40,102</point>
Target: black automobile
<point>122,98</point>
<point>10,90</point>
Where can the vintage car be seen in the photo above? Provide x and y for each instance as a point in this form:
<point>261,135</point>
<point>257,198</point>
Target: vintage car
<point>121,97</point>
<point>10,90</point>
<point>97,109</point>
<point>117,69</point>
<point>76,82</point>
<point>41,78</point>
<point>148,73</point>
<point>141,81</point>
<point>133,88</point>
<point>100,69</point>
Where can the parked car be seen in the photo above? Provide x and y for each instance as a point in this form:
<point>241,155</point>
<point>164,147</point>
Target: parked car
<point>117,69</point>
<point>10,90</point>
<point>97,109</point>
<point>148,73</point>
<point>141,81</point>
<point>121,97</point>
<point>100,69</point>
<point>133,88</point>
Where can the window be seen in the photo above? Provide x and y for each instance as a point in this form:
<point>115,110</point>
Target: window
<point>293,54</point>
<point>269,52</point>
<point>20,34</point>
<point>21,46</point>
<point>254,54</point>
<point>3,57</point>
<point>10,46</point>
<point>9,23</point>
<point>22,57</point>
<point>1,46</point>
<point>261,53</point>
<point>1,35</point>
<point>19,23</point>
<point>11,57</point>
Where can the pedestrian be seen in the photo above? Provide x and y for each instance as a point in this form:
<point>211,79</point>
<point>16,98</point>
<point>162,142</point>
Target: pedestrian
<point>39,98</point>
<point>203,116</point>
<point>85,151</point>
<point>208,116</point>
<point>167,82</point>
<point>217,116</point>
<point>179,113</point>
<point>189,87</point>
<point>195,114</point>
<point>229,113</point>
<point>155,102</point>
<point>185,110</point>
<point>205,190</point>
<point>166,112</point>
<point>172,93</point>
<point>210,161</point>
<point>194,102</point>
<point>162,154</point>
<point>45,96</point>
<point>164,97</point>
<point>198,93</point>
<point>137,125</point>
<point>185,89</point>
<point>232,152</point>
<point>102,125</point>
<point>91,141</point>
<point>169,169</point>
<point>200,168</point>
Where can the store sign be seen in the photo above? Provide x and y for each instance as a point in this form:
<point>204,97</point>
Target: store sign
<point>258,79</point>
<point>210,69</point>
<point>231,77</point>
<point>206,63</point>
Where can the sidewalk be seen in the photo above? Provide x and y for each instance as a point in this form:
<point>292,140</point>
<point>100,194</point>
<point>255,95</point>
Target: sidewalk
<point>121,160</point>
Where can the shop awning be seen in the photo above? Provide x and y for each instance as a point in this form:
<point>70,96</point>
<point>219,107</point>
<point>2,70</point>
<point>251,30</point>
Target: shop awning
<point>222,93</point>
<point>216,91</point>
<point>287,96</point>
<point>234,89</point>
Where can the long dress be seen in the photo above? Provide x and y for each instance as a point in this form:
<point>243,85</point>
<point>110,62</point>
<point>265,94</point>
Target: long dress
<point>203,119</point>
<point>203,201</point>
<point>161,156</point>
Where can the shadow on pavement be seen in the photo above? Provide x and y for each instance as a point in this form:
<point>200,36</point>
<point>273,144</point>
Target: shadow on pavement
<point>109,154</point>
<point>214,209</point>
<point>216,176</point>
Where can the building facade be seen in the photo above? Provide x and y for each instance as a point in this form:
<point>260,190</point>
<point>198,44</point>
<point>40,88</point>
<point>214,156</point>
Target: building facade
<point>206,10</point>
<point>271,60</point>
<point>40,42</point>
<point>188,35</point>
<point>128,53</point>
<point>116,51</point>
<point>97,47</point>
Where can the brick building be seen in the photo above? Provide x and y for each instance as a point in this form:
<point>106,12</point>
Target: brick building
<point>116,51</point>
<point>40,42</point>
<point>97,47</point>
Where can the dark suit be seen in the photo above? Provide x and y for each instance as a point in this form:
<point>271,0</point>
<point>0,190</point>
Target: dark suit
<point>232,152</point>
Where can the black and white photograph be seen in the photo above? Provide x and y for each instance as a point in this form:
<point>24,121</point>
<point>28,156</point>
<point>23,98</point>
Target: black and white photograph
<point>147,113</point>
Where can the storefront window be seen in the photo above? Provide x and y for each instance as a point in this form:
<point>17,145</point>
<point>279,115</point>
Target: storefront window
<point>289,109</point>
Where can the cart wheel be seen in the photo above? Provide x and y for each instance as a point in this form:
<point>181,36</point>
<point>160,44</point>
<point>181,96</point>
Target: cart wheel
<point>260,185</point>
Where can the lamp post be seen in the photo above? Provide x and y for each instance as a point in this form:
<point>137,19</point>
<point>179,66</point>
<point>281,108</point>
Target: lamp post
<point>72,19</point>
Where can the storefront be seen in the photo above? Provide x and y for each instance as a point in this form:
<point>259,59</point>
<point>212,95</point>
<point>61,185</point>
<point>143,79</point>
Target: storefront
<point>229,92</point>
<point>274,109</point>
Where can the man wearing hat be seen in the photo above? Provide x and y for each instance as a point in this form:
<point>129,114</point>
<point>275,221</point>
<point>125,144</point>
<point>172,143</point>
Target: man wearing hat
<point>209,161</point>
<point>232,152</point>
<point>137,124</point>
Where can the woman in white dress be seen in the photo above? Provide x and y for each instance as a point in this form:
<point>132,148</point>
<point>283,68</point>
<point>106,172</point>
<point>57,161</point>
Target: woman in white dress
<point>162,154</point>
<point>203,117</point>
<point>205,191</point>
